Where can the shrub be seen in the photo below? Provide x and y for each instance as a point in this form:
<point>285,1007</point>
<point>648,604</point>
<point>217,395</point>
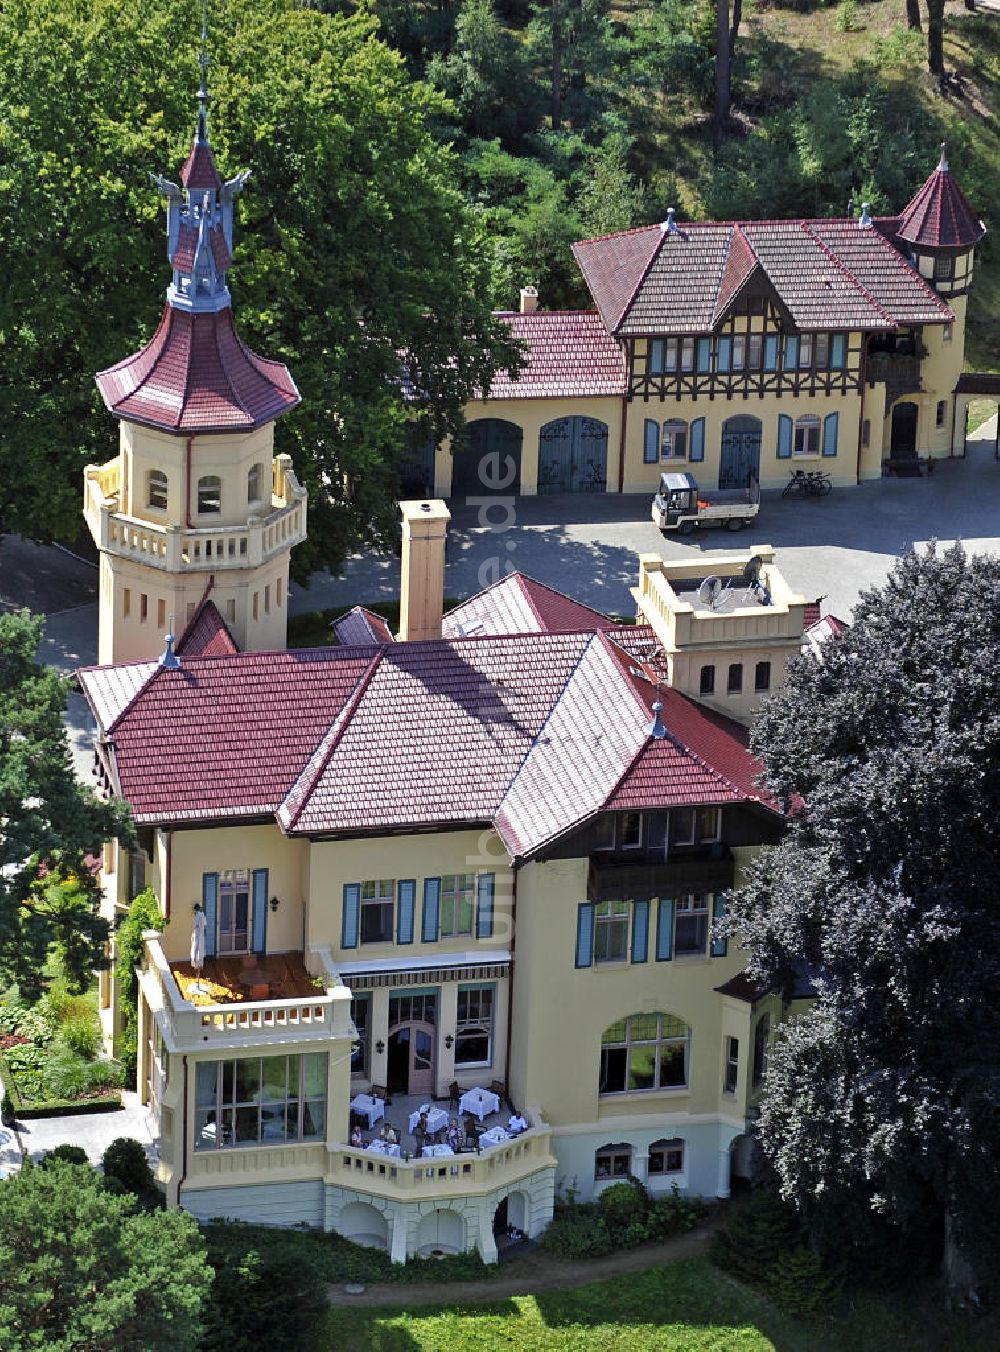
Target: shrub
<point>71,1154</point>
<point>623,1204</point>
<point>125,1159</point>
<point>673,1214</point>
<point>278,1298</point>
<point>577,1232</point>
<point>800,1284</point>
<point>757,1231</point>
<point>60,1004</point>
<point>7,1113</point>
<point>66,1075</point>
<point>81,1034</point>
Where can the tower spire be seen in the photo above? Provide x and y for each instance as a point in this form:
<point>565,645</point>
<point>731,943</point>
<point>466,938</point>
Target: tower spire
<point>203,62</point>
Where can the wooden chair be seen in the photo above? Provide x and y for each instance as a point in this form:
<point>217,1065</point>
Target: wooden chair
<point>500,1089</point>
<point>379,1091</point>
<point>454,1093</point>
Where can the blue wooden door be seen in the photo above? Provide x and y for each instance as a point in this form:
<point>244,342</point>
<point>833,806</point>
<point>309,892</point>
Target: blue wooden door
<point>740,458</point>
<point>573,456</point>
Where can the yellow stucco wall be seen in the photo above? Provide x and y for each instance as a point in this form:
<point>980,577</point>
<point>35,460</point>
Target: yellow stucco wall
<point>227,457</point>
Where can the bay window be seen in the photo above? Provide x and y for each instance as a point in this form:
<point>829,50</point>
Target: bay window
<point>260,1100</point>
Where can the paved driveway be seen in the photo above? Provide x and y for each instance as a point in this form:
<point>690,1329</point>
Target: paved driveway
<point>587,546</point>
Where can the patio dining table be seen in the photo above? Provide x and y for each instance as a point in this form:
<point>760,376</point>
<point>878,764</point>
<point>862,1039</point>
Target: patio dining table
<point>383,1148</point>
<point>437,1119</point>
<point>479,1102</point>
<point>372,1108</point>
<point>431,1151</point>
<point>495,1136</point>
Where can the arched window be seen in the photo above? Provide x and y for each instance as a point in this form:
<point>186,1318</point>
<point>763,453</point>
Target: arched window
<point>645,1051</point>
<point>156,490</point>
<point>667,1157</point>
<point>806,440</point>
<point>209,494</point>
<point>761,1040</point>
<point>613,1161</point>
<point>253,483</point>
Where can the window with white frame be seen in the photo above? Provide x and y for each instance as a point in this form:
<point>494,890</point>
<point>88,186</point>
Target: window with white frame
<point>695,826</point>
<point>156,490</point>
<point>732,1071</point>
<point>806,435</point>
<point>474,1026</point>
<point>644,1052</point>
<point>234,911</point>
<point>761,1046</point>
<point>691,924</point>
<point>673,442</point>
<point>377,898</point>
<point>666,1157</point>
<point>260,1100</point>
<point>611,931</point>
<point>613,1161</point>
<point>458,904</point>
<point>209,494</point>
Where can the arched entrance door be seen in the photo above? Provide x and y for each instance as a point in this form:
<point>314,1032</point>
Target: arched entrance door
<point>491,463</point>
<point>573,456</point>
<point>411,1059</point>
<point>740,458</point>
<point>903,435</point>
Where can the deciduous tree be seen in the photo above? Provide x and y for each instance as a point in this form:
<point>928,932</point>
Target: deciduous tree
<point>354,244</point>
<point>883,1100</point>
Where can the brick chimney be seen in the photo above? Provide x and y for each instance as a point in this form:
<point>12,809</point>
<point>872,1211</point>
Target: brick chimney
<point>421,589</point>
<point>529,299</point>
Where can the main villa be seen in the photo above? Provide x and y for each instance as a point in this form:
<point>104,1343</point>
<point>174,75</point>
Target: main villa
<point>462,879</point>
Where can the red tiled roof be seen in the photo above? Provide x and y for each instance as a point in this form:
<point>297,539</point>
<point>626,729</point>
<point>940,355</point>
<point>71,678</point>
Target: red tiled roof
<point>185,249</point>
<point>939,216</point>
<point>206,634</point>
<point>361,626</point>
<point>518,604</point>
<point>195,375</point>
<point>220,249</point>
<point>199,171</point>
<point>569,353</point>
<point>534,732</point>
<point>828,274</point>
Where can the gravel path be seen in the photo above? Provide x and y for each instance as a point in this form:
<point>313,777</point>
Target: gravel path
<point>538,1271</point>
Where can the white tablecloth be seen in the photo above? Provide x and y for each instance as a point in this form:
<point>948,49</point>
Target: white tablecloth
<point>479,1102</point>
<point>383,1148</point>
<point>495,1136</point>
<point>373,1108</point>
<point>430,1151</point>
<point>437,1119</point>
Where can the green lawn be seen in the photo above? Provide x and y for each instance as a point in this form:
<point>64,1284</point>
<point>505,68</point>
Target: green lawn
<point>688,1306</point>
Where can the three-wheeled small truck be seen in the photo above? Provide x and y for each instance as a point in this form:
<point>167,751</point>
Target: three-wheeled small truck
<point>681,505</point>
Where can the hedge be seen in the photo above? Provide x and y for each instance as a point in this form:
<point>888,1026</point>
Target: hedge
<point>104,1103</point>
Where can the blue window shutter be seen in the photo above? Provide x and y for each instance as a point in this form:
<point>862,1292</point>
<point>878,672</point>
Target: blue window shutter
<point>259,943</point>
<point>720,947</point>
<point>698,439</point>
<point>650,442</point>
<point>665,930</point>
<point>771,352</point>
<point>704,361</point>
<point>784,436</point>
<point>209,904</point>
<point>725,354</point>
<point>585,934</point>
<point>484,906</point>
<point>838,349</point>
<point>352,915</point>
<point>640,931</point>
<point>830,426</point>
<point>406,893</point>
<point>432,896</point>
<point>791,352</point>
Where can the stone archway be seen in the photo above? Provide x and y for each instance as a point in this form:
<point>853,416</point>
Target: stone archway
<point>573,456</point>
<point>362,1224</point>
<point>903,431</point>
<point>440,1232</point>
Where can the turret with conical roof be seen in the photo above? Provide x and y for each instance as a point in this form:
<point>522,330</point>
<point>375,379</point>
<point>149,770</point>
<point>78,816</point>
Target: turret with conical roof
<point>940,230</point>
<point>196,501</point>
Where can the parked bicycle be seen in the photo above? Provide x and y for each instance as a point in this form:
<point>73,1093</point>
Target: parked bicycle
<point>803,483</point>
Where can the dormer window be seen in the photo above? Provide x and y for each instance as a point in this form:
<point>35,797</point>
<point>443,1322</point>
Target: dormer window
<point>156,490</point>
<point>209,495</point>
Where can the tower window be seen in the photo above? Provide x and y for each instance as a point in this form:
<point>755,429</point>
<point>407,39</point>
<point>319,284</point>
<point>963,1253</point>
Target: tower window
<point>707,682</point>
<point>253,483</point>
<point>156,490</point>
<point>941,414</point>
<point>944,268</point>
<point>209,494</point>
<point>762,676</point>
<point>735,682</point>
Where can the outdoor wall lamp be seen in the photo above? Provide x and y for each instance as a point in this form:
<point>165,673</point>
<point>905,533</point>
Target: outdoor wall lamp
<point>380,1047</point>
<point>449,1042</point>
<point>274,903</point>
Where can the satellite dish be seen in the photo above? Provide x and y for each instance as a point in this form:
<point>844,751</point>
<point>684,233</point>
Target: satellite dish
<point>751,570</point>
<point>708,592</point>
